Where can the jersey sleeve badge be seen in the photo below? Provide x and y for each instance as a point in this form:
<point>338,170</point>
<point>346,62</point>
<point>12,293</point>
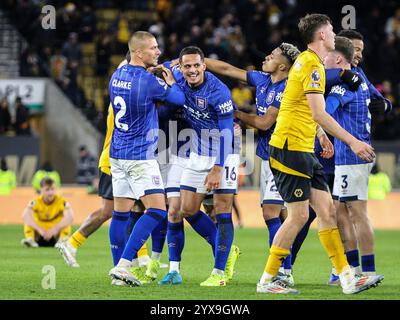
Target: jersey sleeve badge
<point>315,76</point>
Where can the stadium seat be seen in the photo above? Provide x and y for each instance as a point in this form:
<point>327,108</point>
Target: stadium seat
<point>107,14</point>
<point>115,60</point>
<point>88,48</point>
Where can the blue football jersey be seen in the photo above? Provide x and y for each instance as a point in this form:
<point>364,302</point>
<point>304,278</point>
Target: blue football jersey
<point>133,93</point>
<point>172,123</point>
<point>374,93</point>
<point>353,115</point>
<point>267,94</point>
<point>205,105</point>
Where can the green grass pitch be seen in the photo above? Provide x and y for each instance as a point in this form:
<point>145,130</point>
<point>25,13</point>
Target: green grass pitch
<point>21,270</point>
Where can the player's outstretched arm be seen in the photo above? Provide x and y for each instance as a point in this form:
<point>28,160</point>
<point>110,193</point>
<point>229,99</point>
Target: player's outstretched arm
<point>335,76</point>
<point>317,106</point>
<point>175,94</point>
<point>225,69</point>
<point>263,123</point>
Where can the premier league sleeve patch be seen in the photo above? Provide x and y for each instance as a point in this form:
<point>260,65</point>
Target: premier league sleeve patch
<point>315,76</point>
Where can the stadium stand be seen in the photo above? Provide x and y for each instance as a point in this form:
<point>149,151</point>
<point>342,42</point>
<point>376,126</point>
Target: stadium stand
<point>234,31</point>
<point>239,32</point>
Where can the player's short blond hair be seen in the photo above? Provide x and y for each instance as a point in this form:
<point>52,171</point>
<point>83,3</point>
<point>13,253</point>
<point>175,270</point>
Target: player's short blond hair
<point>137,39</point>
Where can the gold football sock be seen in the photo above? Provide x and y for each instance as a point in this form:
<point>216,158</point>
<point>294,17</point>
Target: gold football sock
<point>143,251</point>
<point>29,232</point>
<point>76,240</point>
<point>276,257</point>
<point>332,243</point>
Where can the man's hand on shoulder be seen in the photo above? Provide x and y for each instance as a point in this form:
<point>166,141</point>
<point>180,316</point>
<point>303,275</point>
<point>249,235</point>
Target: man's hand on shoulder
<point>352,79</point>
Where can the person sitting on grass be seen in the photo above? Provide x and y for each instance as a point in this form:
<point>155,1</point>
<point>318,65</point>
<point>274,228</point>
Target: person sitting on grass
<point>47,218</point>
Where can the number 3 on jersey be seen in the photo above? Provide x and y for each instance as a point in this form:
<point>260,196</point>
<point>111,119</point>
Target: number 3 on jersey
<point>119,101</point>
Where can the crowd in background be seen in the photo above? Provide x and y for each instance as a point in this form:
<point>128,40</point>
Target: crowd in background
<point>240,32</point>
<point>19,124</point>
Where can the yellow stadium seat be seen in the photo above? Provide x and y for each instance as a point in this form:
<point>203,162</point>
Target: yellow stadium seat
<point>107,14</point>
<point>88,48</point>
<point>115,60</point>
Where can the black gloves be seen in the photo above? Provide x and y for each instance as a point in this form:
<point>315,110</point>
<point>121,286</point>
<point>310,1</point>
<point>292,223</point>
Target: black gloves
<point>380,106</point>
<point>351,79</point>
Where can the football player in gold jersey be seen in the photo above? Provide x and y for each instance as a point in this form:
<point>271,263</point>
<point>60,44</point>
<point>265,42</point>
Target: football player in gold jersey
<point>47,218</point>
<point>298,174</point>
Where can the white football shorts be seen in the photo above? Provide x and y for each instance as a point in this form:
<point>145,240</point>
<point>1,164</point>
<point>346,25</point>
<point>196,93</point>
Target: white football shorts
<point>176,167</point>
<point>351,182</point>
<point>269,193</point>
<point>198,167</point>
<point>135,178</point>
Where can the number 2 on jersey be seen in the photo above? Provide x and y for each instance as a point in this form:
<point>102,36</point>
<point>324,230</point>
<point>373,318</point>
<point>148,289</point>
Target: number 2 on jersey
<point>119,101</point>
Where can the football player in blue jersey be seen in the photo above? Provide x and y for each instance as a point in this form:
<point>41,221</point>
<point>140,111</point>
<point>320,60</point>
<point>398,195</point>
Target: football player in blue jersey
<point>350,190</point>
<point>212,165</point>
<point>378,104</point>
<point>270,85</point>
<point>134,168</point>
<point>173,125</point>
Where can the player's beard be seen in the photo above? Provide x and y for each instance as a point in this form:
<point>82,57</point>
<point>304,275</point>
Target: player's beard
<point>356,62</point>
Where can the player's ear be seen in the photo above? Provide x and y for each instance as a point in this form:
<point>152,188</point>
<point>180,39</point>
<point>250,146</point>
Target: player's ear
<point>282,67</point>
<point>322,35</point>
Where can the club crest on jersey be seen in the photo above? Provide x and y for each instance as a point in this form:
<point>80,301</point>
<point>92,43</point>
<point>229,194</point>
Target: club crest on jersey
<point>156,180</point>
<point>270,97</point>
<point>201,103</point>
<point>315,75</point>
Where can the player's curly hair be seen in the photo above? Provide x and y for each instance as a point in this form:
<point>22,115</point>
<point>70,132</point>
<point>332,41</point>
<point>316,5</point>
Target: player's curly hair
<point>290,51</point>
